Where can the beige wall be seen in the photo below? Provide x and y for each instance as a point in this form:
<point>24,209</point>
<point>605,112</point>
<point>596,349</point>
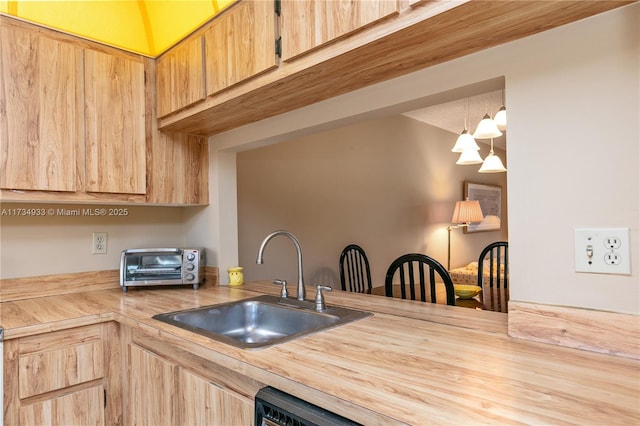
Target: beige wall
<point>573,105</point>
<point>389,185</point>
<point>58,244</point>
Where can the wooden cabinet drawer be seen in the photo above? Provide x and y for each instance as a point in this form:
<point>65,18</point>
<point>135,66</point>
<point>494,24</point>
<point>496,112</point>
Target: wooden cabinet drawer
<point>59,360</point>
<point>83,407</point>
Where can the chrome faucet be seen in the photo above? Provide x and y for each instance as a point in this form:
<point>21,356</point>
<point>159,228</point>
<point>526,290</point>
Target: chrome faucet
<point>259,261</point>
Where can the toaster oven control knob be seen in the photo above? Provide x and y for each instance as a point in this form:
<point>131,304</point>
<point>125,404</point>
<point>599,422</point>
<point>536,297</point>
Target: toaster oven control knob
<point>191,256</point>
<point>190,277</point>
<point>190,267</point>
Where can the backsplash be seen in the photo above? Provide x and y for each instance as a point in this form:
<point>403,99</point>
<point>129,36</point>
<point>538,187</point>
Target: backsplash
<point>45,239</point>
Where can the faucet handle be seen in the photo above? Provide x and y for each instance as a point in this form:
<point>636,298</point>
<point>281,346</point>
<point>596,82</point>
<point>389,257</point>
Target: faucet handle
<point>283,292</point>
<point>320,305</point>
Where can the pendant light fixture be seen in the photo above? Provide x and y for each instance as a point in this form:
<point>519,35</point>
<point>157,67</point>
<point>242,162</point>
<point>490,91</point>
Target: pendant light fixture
<point>486,129</point>
<point>492,163</point>
<point>501,116</point>
<point>465,141</point>
<point>469,156</point>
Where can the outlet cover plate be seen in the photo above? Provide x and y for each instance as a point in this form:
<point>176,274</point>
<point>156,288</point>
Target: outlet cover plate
<point>99,243</point>
<point>598,240</point>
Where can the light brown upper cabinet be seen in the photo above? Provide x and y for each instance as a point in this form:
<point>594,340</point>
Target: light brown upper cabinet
<point>180,76</point>
<point>40,111</point>
<point>240,44</point>
<point>114,123</point>
<point>77,124</point>
<point>308,24</point>
<point>177,166</point>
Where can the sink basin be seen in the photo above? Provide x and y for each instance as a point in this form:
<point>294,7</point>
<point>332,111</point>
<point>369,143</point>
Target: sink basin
<point>260,321</point>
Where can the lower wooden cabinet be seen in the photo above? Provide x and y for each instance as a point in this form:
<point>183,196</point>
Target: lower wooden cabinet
<point>66,377</point>
<point>169,386</point>
<point>110,374</point>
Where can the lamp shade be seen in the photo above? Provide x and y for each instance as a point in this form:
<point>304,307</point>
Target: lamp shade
<point>469,156</point>
<point>501,118</point>
<point>486,129</point>
<point>492,164</point>
<point>465,142</point>
<point>467,211</point>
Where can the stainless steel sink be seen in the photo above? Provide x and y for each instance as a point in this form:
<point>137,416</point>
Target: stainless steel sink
<point>260,321</point>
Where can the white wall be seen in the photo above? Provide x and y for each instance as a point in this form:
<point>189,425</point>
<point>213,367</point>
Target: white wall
<point>573,106</point>
<point>577,114</point>
<point>389,185</point>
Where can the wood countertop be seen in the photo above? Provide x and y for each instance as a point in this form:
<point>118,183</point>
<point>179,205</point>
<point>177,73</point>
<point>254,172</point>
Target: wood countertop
<point>409,363</point>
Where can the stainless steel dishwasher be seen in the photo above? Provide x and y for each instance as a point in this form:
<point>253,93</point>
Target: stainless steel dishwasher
<point>276,408</point>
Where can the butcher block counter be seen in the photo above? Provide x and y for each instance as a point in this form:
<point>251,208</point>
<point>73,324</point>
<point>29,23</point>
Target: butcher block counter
<point>409,363</point>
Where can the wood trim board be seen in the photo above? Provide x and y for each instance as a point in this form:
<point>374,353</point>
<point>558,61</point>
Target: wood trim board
<point>611,333</point>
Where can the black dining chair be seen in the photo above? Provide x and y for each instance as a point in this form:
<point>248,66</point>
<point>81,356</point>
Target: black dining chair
<point>355,273</point>
<point>493,276</point>
<point>419,270</point>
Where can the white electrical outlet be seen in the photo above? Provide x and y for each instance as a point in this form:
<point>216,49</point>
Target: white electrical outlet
<point>99,243</point>
<point>602,250</point>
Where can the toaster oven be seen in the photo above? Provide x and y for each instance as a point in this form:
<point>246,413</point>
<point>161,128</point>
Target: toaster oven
<point>161,266</point>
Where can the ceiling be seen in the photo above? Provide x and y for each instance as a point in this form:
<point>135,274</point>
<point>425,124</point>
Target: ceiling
<point>451,115</point>
<point>147,27</point>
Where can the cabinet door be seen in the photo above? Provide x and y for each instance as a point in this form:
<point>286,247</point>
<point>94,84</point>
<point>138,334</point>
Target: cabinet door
<point>180,76</point>
<point>307,24</point>
<point>40,111</point>
<point>152,389</point>
<point>204,403</point>
<point>187,180</point>
<point>240,44</point>
<point>85,407</point>
<point>114,123</point>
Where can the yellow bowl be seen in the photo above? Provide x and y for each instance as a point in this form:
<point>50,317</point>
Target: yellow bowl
<point>467,291</point>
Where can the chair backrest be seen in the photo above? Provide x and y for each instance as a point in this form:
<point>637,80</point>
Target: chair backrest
<point>355,274</point>
<point>417,274</point>
<point>493,276</point>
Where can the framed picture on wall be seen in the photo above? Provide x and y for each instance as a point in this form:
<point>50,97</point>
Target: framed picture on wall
<point>490,199</point>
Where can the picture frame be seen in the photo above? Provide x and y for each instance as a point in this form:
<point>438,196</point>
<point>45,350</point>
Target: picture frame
<point>490,199</point>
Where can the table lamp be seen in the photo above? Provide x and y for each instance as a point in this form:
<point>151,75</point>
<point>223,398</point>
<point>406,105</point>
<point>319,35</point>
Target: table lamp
<point>464,213</point>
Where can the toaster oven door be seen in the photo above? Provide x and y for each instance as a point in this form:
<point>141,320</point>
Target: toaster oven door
<point>152,267</point>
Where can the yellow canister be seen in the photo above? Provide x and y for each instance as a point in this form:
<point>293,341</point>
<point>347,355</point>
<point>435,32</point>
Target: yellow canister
<point>235,275</point>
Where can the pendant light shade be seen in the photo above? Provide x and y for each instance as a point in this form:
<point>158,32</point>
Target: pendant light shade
<point>501,118</point>
<point>486,129</point>
<point>465,141</point>
<point>492,163</point>
<point>469,156</point>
